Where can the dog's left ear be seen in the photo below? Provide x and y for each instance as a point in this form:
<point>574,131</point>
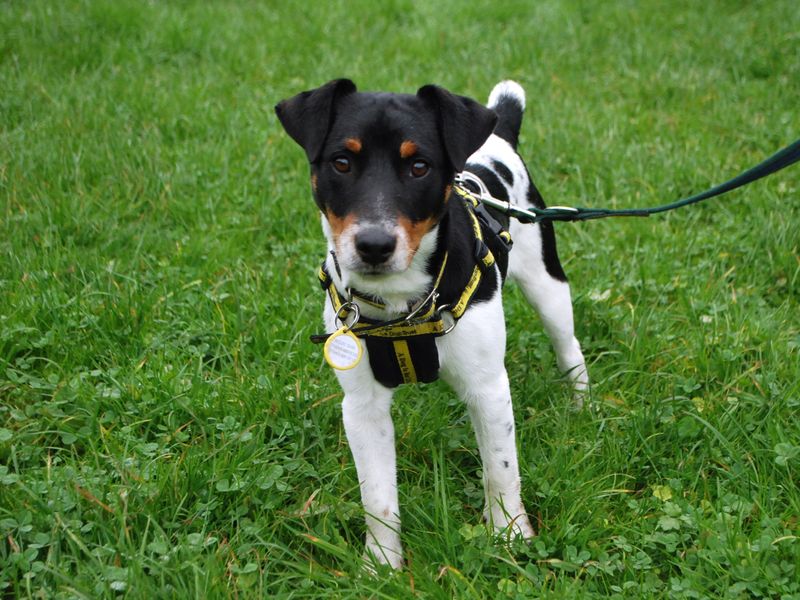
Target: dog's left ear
<point>464,123</point>
<point>307,116</point>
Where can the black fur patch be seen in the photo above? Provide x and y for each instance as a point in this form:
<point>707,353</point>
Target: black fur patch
<point>549,249</point>
<point>456,237</point>
<point>503,171</point>
<point>509,111</point>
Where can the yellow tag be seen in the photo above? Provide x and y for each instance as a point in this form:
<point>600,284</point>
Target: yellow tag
<point>343,350</point>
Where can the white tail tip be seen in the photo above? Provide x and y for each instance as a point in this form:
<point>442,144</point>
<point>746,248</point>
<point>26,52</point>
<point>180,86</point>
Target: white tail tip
<point>507,88</point>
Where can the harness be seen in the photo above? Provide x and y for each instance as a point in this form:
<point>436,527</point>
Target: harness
<point>403,349</point>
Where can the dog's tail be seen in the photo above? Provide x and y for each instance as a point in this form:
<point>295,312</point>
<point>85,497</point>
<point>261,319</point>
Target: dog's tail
<point>508,101</point>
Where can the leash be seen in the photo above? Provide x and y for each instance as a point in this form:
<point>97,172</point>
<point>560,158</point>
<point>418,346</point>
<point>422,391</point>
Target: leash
<point>780,160</point>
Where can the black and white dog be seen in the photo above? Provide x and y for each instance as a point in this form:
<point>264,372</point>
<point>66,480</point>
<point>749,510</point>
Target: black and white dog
<point>382,174</point>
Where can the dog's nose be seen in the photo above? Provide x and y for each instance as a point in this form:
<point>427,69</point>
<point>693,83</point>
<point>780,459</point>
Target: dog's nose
<point>375,245</point>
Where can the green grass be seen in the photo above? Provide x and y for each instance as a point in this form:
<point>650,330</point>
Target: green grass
<point>166,429</point>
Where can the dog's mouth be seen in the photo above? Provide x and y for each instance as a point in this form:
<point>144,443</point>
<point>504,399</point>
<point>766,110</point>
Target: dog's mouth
<point>372,272</point>
<point>375,272</point>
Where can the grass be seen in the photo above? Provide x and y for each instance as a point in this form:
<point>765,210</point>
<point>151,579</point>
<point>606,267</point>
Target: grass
<point>166,430</point>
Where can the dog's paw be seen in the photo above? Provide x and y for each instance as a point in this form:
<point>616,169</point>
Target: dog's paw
<point>580,395</point>
<point>376,554</point>
<point>578,378</point>
<point>519,527</point>
<point>506,525</point>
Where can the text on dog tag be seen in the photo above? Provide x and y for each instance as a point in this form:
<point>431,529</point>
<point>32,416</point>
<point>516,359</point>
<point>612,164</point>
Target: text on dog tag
<point>343,350</point>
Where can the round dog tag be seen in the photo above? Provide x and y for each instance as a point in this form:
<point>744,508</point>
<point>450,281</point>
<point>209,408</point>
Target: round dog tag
<point>343,350</point>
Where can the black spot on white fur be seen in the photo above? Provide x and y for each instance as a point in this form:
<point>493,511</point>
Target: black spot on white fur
<point>504,172</point>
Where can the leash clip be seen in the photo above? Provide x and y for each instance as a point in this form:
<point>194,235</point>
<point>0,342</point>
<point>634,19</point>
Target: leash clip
<point>483,193</point>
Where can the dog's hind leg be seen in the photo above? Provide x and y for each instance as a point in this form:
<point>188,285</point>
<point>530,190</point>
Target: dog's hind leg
<point>535,268</point>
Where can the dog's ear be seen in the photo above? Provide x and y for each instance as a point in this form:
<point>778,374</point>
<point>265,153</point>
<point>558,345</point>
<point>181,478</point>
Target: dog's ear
<point>465,124</point>
<point>307,116</point>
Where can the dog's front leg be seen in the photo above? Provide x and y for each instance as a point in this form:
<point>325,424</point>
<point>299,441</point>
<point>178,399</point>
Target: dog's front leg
<point>366,412</point>
<point>473,365</point>
<point>489,407</point>
<point>370,433</point>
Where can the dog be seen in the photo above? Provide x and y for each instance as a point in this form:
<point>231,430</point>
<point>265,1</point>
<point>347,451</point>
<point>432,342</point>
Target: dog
<point>402,240</point>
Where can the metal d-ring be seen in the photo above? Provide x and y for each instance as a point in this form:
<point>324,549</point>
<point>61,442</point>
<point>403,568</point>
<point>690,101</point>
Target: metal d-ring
<point>348,307</point>
<point>440,312</point>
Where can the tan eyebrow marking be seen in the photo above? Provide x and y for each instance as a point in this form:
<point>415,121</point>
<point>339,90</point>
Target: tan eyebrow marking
<point>353,144</point>
<point>408,149</point>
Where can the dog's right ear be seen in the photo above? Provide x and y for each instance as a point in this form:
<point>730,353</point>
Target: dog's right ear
<point>307,116</point>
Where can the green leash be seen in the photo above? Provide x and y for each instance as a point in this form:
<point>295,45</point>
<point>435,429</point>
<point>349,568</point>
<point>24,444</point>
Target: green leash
<point>780,160</point>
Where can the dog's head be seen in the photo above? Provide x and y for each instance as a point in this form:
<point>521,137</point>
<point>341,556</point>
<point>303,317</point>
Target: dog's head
<point>382,165</point>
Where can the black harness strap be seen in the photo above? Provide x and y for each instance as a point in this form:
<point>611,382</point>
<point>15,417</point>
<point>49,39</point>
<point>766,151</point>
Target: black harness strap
<point>399,352</point>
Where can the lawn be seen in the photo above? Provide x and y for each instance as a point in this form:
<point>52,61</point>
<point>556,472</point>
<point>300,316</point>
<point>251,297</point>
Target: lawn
<point>166,428</point>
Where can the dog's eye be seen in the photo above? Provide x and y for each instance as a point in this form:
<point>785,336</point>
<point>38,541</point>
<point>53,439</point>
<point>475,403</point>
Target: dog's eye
<point>341,164</point>
<point>419,168</point>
